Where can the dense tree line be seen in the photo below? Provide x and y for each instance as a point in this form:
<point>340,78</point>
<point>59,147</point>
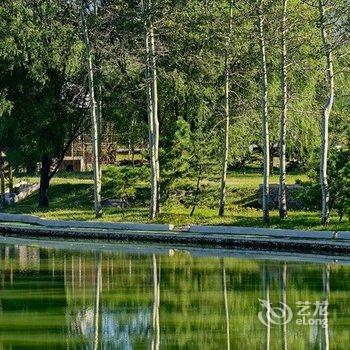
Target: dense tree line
<point>200,81</point>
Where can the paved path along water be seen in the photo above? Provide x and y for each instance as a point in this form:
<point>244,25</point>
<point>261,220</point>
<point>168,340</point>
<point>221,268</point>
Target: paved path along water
<point>325,242</point>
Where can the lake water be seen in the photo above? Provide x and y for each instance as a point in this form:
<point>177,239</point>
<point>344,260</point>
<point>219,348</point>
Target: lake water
<point>68,296</point>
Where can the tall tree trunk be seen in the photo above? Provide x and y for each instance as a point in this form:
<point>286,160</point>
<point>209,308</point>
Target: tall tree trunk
<point>98,96</point>
<point>264,113</point>
<point>2,180</point>
<point>155,107</point>
<point>196,194</point>
<point>283,118</point>
<point>326,114</point>
<point>132,143</point>
<point>94,121</point>
<point>99,122</point>
<point>10,177</point>
<point>45,178</point>
<point>151,77</point>
<point>227,118</point>
<point>83,153</point>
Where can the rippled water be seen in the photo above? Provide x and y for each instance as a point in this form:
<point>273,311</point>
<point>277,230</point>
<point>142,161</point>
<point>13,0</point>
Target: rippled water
<point>76,298</point>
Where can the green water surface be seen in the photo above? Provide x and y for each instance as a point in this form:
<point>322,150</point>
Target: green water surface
<point>56,298</point>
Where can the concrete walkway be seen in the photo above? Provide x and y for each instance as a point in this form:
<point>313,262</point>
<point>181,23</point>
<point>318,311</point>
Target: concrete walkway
<point>229,237</point>
<point>35,220</point>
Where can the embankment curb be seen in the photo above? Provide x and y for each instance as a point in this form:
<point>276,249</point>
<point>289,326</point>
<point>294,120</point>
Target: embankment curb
<point>323,246</point>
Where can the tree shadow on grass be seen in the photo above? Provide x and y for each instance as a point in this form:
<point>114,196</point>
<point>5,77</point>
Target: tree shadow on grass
<point>61,196</point>
<point>86,175</point>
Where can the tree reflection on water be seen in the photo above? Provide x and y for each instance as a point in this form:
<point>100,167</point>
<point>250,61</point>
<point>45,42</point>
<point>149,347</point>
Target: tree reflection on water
<point>57,299</point>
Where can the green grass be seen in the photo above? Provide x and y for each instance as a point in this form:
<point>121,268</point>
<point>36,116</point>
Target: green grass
<point>71,198</point>
<point>254,180</point>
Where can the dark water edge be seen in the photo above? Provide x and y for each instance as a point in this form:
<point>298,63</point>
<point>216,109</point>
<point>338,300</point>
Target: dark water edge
<point>100,295</point>
<point>336,247</point>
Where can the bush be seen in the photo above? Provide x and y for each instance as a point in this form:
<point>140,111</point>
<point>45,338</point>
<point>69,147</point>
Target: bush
<point>121,182</point>
<point>338,180</point>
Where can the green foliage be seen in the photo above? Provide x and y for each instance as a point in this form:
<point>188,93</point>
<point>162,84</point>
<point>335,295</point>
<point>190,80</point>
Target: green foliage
<point>120,182</point>
<point>42,70</point>
<point>187,162</point>
<point>338,181</point>
<point>175,159</point>
<point>40,66</point>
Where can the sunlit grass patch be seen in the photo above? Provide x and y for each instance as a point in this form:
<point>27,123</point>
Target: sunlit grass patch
<point>71,198</point>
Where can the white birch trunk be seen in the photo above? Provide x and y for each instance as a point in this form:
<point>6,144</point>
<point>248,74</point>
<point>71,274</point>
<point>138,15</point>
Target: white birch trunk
<point>227,118</point>
<point>150,114</point>
<point>264,114</point>
<point>2,181</point>
<point>98,98</point>
<point>94,122</point>
<point>99,124</point>
<point>326,114</point>
<point>155,109</point>
<point>283,118</point>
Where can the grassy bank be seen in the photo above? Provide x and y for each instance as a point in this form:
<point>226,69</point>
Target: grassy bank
<point>71,197</point>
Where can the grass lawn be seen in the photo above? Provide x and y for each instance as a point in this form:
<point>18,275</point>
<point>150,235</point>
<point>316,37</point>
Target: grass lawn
<point>71,197</point>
